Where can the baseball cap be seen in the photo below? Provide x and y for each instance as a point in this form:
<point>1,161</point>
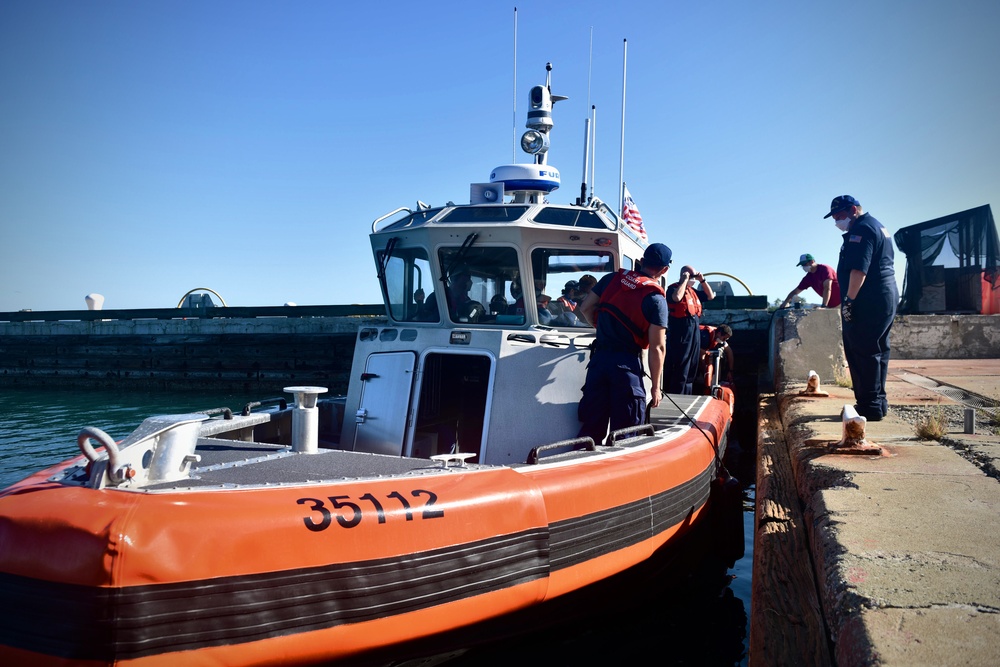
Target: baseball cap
<point>840,203</point>
<point>657,256</point>
<point>805,259</point>
<point>572,285</point>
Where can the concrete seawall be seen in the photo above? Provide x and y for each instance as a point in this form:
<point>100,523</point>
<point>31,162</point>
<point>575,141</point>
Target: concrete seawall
<point>889,553</point>
<point>255,354</point>
<point>265,352</point>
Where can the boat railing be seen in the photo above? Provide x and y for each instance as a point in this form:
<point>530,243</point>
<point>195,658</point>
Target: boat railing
<point>562,447</point>
<point>631,432</point>
<point>389,215</point>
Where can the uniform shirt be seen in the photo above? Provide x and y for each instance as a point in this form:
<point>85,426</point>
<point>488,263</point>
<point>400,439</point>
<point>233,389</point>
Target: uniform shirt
<point>816,279</point>
<point>611,332</point>
<point>868,248</point>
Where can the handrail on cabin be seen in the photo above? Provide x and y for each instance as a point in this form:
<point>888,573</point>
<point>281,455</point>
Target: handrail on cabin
<point>389,215</point>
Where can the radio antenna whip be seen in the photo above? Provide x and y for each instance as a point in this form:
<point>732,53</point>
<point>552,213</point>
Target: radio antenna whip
<point>586,127</point>
<point>593,150</point>
<point>621,167</point>
<point>514,126</point>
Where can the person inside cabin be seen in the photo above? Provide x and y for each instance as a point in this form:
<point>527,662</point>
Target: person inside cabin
<point>683,341</point>
<point>630,311</point>
<point>584,286</point>
<point>822,278</point>
<point>569,296</point>
<point>545,315</point>
<point>543,302</point>
<point>461,306</point>
<point>711,339</point>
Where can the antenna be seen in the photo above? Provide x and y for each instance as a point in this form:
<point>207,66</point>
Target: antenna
<point>593,153</point>
<point>586,124</point>
<point>514,126</point>
<point>586,163</point>
<point>621,167</point>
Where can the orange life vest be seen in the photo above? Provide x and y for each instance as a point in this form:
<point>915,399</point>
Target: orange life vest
<point>622,299</point>
<point>689,306</point>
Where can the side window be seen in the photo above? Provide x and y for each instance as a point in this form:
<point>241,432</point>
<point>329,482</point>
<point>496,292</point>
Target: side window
<point>562,280</point>
<point>407,285</point>
<point>481,284</point>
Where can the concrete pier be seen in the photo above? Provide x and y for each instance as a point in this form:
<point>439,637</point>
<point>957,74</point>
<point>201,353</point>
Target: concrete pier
<point>884,555</point>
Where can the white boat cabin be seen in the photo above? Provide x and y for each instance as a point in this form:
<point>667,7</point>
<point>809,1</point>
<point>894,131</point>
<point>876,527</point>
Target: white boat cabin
<point>481,356</point>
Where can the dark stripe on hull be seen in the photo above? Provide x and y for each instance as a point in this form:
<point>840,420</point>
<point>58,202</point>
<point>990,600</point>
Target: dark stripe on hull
<point>575,541</point>
<point>88,623</point>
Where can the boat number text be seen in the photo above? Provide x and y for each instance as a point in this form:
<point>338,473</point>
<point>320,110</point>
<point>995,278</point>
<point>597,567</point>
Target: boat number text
<point>349,513</point>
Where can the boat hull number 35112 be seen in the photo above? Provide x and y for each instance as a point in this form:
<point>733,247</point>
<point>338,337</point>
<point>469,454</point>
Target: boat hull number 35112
<point>349,513</point>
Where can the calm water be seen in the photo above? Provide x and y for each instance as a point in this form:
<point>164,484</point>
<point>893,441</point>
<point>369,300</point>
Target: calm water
<point>705,623</point>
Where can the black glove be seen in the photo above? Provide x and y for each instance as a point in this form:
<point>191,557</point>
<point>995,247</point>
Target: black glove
<point>846,308</point>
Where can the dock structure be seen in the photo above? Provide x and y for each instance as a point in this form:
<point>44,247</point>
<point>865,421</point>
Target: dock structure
<point>888,554</point>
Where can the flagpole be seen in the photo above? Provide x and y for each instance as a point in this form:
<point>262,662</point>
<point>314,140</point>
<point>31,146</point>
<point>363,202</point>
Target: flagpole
<point>621,167</point>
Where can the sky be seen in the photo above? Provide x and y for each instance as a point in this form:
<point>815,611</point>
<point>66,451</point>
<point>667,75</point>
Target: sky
<point>150,148</point>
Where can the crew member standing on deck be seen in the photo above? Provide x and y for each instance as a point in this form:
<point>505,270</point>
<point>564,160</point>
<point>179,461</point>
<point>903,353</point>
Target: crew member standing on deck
<point>683,340</point>
<point>630,313</point>
<point>868,304</point>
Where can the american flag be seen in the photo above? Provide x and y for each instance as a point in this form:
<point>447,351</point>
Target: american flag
<point>631,215</point>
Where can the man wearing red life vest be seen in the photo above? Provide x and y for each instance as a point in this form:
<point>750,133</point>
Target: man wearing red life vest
<point>683,341</point>
<point>629,311</point>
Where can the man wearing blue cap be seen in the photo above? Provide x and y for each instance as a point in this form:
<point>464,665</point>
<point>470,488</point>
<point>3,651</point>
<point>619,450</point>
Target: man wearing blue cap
<point>629,311</point>
<point>868,302</point>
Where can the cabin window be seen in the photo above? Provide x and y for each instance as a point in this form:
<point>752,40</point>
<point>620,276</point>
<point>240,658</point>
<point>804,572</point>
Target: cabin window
<point>562,279</point>
<point>571,217</point>
<point>407,284</point>
<point>482,284</point>
<point>479,214</point>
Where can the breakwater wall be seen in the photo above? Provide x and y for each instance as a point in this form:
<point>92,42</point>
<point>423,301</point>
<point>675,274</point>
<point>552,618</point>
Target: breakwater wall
<point>228,349</point>
<point>259,350</point>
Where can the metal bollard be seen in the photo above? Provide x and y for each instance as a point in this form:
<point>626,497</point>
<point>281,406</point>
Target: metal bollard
<point>970,421</point>
<point>305,419</point>
<point>853,428</point>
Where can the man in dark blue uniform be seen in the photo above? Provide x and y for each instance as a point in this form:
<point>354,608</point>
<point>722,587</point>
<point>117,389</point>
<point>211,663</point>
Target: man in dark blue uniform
<point>868,306</point>
<point>630,313</point>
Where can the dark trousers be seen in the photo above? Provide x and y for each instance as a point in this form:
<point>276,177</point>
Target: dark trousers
<point>683,352</point>
<point>613,392</point>
<point>866,346</point>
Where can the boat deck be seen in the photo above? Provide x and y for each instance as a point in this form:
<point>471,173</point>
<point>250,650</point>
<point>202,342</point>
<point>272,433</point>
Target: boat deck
<point>228,464</point>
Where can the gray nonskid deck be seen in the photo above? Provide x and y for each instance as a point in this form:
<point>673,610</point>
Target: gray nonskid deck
<point>228,464</point>
<point>232,464</point>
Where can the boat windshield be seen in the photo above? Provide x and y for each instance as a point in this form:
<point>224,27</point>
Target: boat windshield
<point>484,214</point>
<point>482,283</point>
<point>563,278</point>
<point>572,217</point>
<point>407,282</point>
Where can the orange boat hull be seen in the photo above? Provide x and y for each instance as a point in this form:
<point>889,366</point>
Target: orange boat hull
<point>301,574</point>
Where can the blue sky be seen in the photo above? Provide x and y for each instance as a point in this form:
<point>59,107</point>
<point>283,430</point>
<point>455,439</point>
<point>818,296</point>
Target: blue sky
<point>148,148</point>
